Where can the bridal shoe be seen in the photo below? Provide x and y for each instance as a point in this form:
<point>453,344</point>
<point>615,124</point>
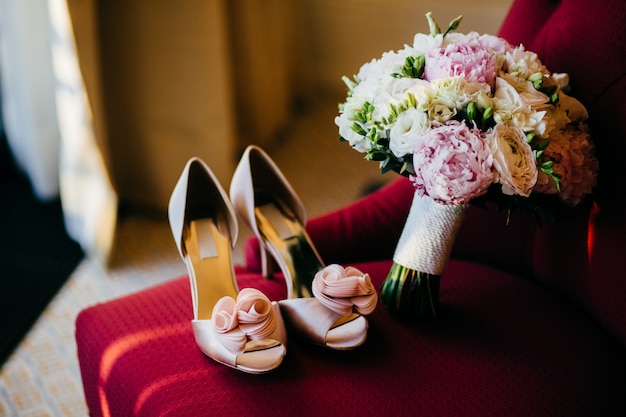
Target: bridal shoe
<point>243,330</point>
<point>325,304</point>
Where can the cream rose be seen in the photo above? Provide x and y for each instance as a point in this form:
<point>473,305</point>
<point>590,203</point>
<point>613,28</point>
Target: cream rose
<point>510,106</point>
<point>513,159</point>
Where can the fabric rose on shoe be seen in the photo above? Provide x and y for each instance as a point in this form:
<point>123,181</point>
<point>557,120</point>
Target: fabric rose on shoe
<point>344,290</point>
<point>250,317</point>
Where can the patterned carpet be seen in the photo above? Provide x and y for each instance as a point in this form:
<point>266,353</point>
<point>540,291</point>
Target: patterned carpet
<point>42,378</point>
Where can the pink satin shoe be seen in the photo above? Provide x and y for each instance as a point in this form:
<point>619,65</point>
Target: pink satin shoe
<point>329,309</point>
<point>243,330</point>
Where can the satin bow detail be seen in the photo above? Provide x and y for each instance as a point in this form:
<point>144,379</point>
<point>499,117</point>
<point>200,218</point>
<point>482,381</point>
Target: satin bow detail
<point>344,290</point>
<point>251,317</point>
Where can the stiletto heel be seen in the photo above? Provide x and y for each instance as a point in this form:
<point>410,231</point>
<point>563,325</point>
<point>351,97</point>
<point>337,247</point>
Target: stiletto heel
<point>267,267</point>
<point>243,330</point>
<point>323,311</point>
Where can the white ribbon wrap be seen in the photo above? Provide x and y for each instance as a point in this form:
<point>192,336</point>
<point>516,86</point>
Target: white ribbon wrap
<point>428,235</point>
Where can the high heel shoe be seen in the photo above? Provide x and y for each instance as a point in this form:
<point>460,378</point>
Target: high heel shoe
<point>243,330</point>
<point>324,312</point>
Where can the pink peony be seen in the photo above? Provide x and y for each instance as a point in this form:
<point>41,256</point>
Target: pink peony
<point>452,164</point>
<point>470,61</point>
<point>495,43</point>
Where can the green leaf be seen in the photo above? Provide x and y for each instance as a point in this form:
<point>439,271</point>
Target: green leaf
<point>358,129</point>
<point>418,66</point>
<point>412,102</point>
<point>543,144</point>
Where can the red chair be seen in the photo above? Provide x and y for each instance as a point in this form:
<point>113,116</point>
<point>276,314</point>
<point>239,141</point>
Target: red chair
<point>533,320</point>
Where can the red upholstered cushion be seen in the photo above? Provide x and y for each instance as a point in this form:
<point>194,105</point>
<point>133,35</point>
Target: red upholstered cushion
<point>587,40</point>
<point>511,339</point>
<point>501,347</point>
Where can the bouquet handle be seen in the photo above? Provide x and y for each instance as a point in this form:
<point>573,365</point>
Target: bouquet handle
<point>420,257</point>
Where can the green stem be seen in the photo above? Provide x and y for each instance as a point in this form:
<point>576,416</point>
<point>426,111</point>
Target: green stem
<point>410,291</point>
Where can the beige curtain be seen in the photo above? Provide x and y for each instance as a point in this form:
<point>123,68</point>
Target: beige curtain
<point>48,120</point>
<point>106,99</point>
<point>170,80</point>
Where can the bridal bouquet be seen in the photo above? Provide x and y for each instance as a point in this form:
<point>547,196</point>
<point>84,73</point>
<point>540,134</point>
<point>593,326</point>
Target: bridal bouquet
<point>469,118</point>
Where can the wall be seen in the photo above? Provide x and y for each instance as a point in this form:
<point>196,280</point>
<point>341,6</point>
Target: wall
<point>344,34</point>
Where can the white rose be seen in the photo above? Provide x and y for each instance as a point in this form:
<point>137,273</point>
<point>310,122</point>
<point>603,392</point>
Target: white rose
<point>513,159</point>
<point>366,90</point>
<point>407,131</point>
<point>393,92</point>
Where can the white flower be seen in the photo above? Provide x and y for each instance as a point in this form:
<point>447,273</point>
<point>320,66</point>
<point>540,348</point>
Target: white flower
<point>370,70</point>
<point>423,43</point>
<point>366,90</point>
<point>528,95</point>
<point>441,111</point>
<point>394,92</point>
<point>424,93</point>
<point>358,142</point>
<point>457,92</point>
<point>502,93</point>
<point>513,159</point>
<point>346,120</point>
<point>523,63</point>
<point>510,106</point>
<point>407,131</point>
